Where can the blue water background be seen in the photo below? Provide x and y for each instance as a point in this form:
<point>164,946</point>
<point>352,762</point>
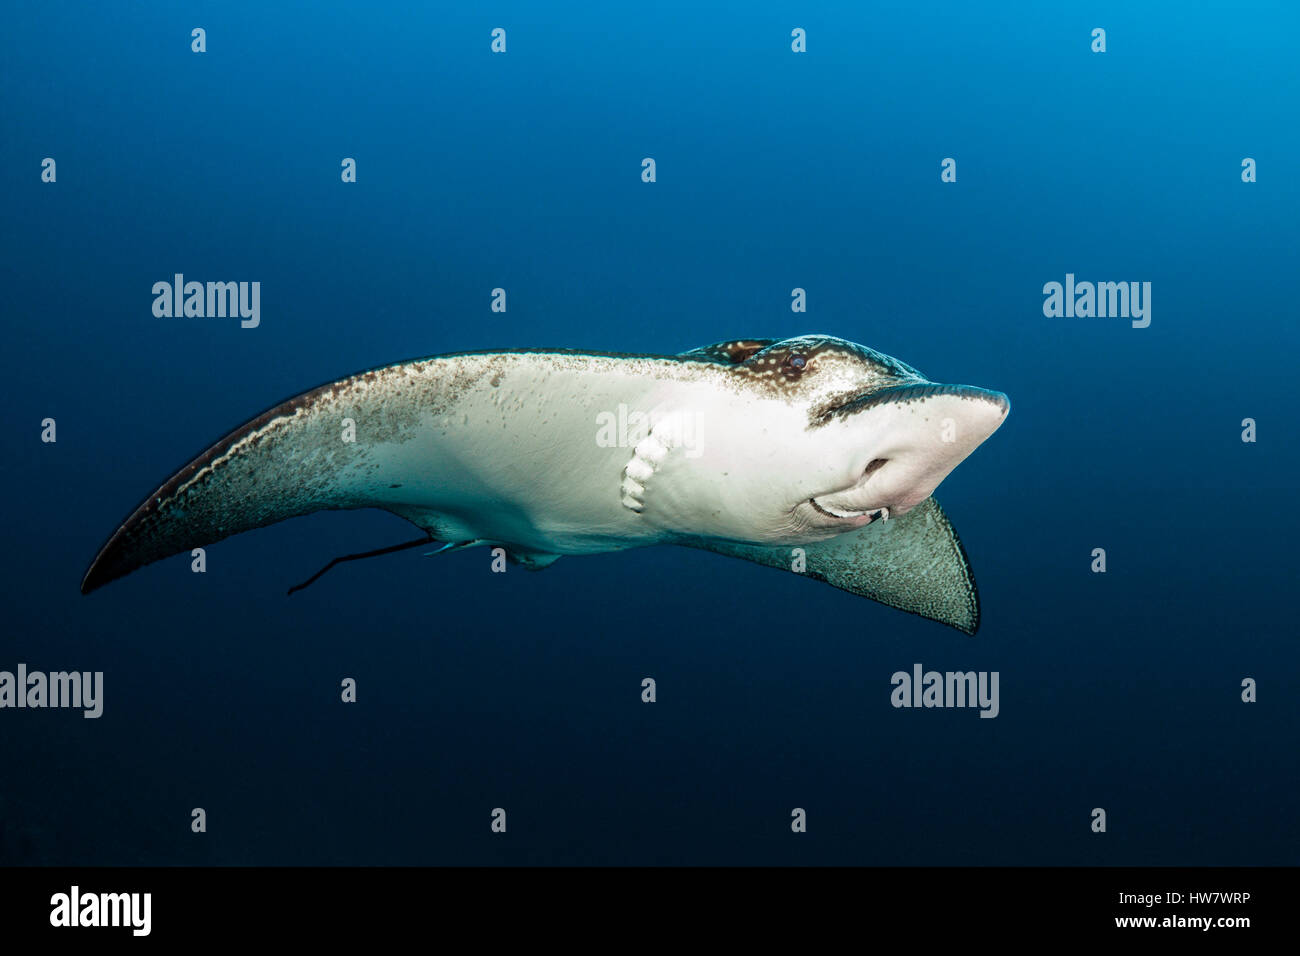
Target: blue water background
<point>775,171</point>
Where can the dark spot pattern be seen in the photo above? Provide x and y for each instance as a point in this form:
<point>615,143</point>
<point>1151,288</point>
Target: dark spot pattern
<point>727,353</point>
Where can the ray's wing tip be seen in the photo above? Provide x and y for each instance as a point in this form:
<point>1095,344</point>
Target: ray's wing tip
<point>95,576</point>
<point>105,568</point>
<point>968,623</point>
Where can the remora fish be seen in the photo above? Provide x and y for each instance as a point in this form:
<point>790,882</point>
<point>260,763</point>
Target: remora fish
<point>751,448</point>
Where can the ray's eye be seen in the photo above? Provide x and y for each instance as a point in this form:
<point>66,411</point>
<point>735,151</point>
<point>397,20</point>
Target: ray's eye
<point>796,362</point>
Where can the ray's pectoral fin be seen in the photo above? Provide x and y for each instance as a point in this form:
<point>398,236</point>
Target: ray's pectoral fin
<point>915,563</point>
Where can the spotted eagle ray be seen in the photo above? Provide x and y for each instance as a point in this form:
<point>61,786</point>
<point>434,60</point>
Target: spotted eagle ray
<point>812,454</point>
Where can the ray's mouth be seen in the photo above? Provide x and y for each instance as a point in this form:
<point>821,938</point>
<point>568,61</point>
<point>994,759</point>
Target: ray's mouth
<point>832,512</point>
<point>871,514</point>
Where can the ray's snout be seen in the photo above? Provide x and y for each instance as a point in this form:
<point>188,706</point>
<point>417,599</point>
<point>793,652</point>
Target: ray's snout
<point>909,437</point>
<point>945,422</point>
<point>997,399</point>
<point>959,415</point>
<point>992,407</point>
